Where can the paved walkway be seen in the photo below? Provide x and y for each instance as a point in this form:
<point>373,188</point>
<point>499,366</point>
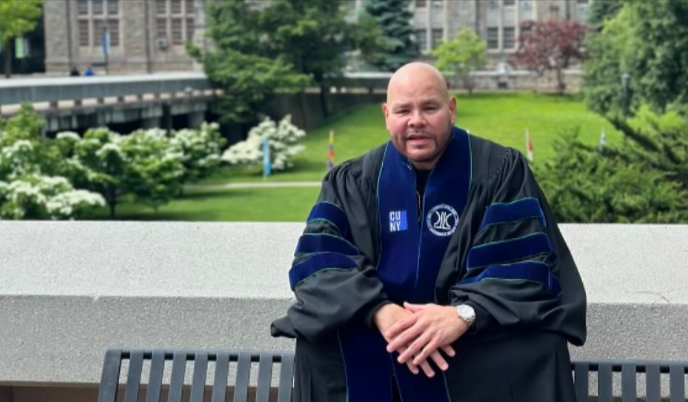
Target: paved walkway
<point>254,185</point>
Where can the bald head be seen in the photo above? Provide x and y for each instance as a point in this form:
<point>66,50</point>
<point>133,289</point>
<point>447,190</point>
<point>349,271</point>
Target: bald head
<point>415,73</point>
<point>419,113</point>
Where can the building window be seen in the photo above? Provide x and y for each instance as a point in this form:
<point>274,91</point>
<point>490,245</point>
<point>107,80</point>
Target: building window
<point>175,20</point>
<point>82,6</point>
<point>509,2</point>
<point>554,12</point>
<point>509,37</point>
<point>422,40</point>
<point>113,27</point>
<point>84,35</point>
<point>177,32</point>
<point>582,1</point>
<point>161,6</point>
<point>437,3</point>
<point>421,3</point>
<point>493,38</point>
<point>436,37</point>
<point>104,15</point>
<point>98,29</point>
<point>97,7</point>
<point>189,29</point>
<point>176,6</point>
<point>161,28</point>
<point>113,7</point>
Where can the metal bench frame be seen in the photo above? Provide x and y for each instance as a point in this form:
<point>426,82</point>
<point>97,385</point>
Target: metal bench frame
<point>109,384</point>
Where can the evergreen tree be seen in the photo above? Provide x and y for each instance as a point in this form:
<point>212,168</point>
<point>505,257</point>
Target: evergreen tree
<point>394,18</point>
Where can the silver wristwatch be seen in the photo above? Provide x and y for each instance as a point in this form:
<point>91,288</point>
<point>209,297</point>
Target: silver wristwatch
<point>466,313</point>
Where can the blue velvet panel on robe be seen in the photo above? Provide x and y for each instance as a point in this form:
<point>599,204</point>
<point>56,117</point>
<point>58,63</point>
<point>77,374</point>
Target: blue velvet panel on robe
<point>413,244</point>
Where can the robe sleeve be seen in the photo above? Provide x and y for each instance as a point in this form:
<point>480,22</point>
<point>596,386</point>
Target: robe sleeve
<point>519,274</point>
<point>333,282</point>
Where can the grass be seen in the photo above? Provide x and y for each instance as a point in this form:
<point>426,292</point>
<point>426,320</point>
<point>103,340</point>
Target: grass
<point>502,118</point>
<point>245,204</point>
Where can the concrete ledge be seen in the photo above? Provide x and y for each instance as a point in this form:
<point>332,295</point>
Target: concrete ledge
<point>69,290</point>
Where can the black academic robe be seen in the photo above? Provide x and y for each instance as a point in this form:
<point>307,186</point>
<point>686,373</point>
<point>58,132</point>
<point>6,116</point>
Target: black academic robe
<point>485,236</point>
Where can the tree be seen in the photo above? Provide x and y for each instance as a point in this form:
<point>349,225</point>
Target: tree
<point>28,187</point>
<point>154,169</point>
<point>550,46</point>
<point>600,11</point>
<point>16,18</point>
<point>461,55</point>
<point>649,42</point>
<point>200,150</point>
<point>644,180</point>
<point>394,18</point>
<point>273,47</point>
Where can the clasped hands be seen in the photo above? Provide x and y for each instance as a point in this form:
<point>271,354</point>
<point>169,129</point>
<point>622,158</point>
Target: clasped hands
<point>418,332</point>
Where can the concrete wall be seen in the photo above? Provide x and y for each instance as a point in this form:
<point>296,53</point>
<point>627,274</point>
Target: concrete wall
<point>69,290</point>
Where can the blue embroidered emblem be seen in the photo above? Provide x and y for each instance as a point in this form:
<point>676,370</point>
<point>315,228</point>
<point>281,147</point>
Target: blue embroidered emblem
<point>397,221</point>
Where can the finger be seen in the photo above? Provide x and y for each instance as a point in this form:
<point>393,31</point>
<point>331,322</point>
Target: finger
<point>448,350</point>
<point>439,360</point>
<point>429,348</point>
<point>413,307</point>
<point>400,326</point>
<point>427,369</point>
<point>415,349</point>
<point>412,367</point>
<point>405,338</point>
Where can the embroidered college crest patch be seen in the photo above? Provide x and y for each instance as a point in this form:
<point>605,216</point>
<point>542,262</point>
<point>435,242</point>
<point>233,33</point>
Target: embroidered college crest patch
<point>442,220</point>
<point>397,221</point>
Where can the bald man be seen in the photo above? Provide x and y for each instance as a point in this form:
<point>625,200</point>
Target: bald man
<point>431,269</point>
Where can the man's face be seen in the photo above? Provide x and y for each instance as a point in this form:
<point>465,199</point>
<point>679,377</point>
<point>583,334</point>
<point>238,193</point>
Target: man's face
<point>419,114</point>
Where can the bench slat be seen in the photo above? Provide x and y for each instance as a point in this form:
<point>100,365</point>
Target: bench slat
<point>581,381</point>
<point>109,380</point>
<point>155,379</point>
<point>286,378</point>
<point>677,392</point>
<point>653,385</point>
<point>199,376</point>
<point>628,388</point>
<point>131,392</point>
<point>264,378</point>
<point>221,376</point>
<point>242,378</point>
<point>177,379</point>
<point>604,382</point>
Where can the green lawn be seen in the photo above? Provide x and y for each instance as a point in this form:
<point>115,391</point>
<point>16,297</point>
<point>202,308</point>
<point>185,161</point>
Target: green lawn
<point>246,204</point>
<point>500,117</point>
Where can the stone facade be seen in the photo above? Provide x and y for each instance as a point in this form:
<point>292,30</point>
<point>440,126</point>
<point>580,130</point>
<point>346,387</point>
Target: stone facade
<point>150,37</point>
<point>151,33</point>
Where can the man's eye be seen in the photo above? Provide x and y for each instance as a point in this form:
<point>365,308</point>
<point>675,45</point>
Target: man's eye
<point>431,108</point>
<point>402,111</point>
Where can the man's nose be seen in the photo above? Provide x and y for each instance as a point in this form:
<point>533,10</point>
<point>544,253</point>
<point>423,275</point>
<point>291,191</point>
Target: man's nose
<point>416,119</point>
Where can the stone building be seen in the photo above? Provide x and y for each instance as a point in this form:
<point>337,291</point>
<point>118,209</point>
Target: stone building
<point>150,35</point>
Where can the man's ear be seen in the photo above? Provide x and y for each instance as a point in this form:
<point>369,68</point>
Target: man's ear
<point>452,109</point>
<point>385,112</point>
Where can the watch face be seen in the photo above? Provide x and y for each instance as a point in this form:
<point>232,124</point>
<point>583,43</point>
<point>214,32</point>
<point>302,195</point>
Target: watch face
<point>466,312</point>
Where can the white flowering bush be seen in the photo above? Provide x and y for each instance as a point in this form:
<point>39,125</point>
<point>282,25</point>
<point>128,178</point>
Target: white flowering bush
<point>200,150</point>
<point>283,141</point>
<point>40,197</point>
<point>29,187</point>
